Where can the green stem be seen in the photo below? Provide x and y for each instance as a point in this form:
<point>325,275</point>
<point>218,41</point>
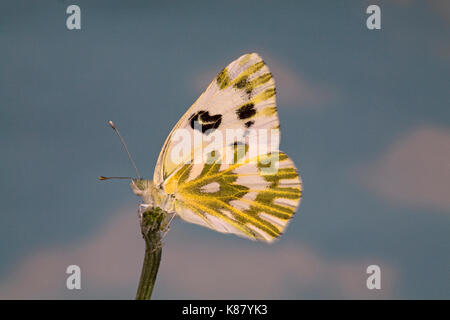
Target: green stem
<point>151,232</point>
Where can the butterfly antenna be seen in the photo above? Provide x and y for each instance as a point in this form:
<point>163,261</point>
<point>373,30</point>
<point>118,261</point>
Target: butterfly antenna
<point>107,178</point>
<point>126,149</point>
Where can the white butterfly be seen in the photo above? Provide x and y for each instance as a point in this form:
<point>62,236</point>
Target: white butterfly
<point>239,197</point>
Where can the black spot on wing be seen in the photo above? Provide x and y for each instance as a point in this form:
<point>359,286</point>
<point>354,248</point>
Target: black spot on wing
<point>242,83</point>
<point>248,124</point>
<point>246,111</point>
<point>203,121</point>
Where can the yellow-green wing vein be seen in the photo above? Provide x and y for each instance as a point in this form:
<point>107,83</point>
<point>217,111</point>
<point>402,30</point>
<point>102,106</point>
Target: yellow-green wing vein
<point>238,198</point>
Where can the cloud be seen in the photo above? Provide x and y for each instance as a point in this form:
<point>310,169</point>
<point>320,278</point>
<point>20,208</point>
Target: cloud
<point>280,271</point>
<point>414,170</point>
<point>293,87</point>
<point>441,8</point>
<point>109,262</point>
<point>439,11</point>
<point>192,267</point>
<point>442,51</point>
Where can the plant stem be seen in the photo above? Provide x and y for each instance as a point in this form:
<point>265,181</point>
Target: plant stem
<point>151,232</point>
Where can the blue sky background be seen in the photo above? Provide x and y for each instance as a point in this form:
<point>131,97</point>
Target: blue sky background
<point>142,64</point>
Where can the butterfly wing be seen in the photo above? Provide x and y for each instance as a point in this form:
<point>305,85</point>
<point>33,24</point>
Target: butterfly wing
<point>241,197</point>
<point>242,96</point>
<point>253,198</point>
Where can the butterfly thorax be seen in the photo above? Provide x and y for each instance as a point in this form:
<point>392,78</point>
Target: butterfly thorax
<point>151,194</point>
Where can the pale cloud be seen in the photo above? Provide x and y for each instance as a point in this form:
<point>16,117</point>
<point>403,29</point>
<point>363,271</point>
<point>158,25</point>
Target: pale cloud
<point>294,89</point>
<point>442,51</point>
<point>280,271</point>
<point>414,170</point>
<point>109,261</point>
<point>441,8</point>
<point>192,267</point>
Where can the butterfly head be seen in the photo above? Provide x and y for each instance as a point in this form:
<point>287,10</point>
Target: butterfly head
<point>140,186</point>
<point>150,194</point>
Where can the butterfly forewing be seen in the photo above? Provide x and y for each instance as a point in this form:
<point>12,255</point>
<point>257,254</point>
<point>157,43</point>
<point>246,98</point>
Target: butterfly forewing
<point>241,96</point>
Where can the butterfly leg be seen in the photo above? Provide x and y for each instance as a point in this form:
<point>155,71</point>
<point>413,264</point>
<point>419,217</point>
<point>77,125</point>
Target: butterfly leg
<point>167,228</point>
<point>169,208</point>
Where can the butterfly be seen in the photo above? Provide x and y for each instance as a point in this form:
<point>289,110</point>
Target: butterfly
<point>245,187</point>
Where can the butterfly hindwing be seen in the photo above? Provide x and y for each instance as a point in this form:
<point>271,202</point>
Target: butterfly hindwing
<point>253,198</point>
